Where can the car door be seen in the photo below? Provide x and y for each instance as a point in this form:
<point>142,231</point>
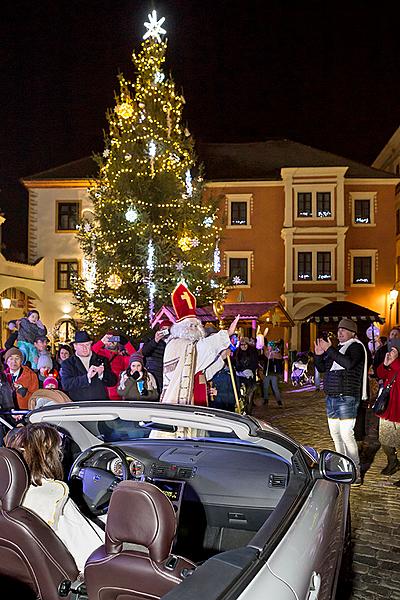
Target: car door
<point>308,556</point>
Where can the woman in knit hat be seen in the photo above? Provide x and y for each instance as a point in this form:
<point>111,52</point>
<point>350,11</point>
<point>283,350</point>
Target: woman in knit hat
<point>22,379</point>
<point>136,383</point>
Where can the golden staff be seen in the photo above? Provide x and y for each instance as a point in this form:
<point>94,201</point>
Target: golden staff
<point>218,309</point>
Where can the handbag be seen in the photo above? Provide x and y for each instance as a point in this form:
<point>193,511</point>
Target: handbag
<point>382,400</point>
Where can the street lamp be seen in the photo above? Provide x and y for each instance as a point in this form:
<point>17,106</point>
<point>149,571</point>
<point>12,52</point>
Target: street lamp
<point>6,303</point>
<point>393,298</point>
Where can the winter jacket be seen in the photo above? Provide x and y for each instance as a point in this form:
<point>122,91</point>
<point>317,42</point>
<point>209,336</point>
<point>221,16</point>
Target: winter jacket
<point>6,394</point>
<point>246,359</point>
<point>118,363</point>
<point>225,398</point>
<point>153,353</point>
<point>129,390</point>
<point>28,381</point>
<point>392,413</point>
<point>75,381</point>
<point>271,366</point>
<point>28,331</point>
<point>347,381</point>
<point>10,341</point>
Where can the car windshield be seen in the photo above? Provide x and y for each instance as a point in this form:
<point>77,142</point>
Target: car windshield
<point>117,430</point>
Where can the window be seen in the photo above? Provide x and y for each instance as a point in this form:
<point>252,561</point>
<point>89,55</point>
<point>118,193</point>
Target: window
<point>304,204</point>
<point>66,270</point>
<point>67,216</point>
<point>324,204</point>
<point>324,271</point>
<point>238,271</point>
<point>238,266</point>
<point>314,201</point>
<point>304,266</point>
<point>363,208</point>
<point>314,264</point>
<point>238,213</point>
<point>362,211</point>
<point>362,269</point>
<point>238,210</point>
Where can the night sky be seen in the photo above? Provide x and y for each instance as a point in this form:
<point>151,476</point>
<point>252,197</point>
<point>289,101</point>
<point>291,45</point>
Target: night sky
<point>325,73</point>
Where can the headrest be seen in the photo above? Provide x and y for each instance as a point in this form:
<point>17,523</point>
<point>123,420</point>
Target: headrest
<point>139,513</point>
<point>14,478</point>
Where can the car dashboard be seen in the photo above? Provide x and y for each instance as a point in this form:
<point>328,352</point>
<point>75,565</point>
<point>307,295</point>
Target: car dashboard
<point>220,491</point>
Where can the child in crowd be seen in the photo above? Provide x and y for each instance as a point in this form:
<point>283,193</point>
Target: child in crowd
<point>30,328</point>
<point>44,368</point>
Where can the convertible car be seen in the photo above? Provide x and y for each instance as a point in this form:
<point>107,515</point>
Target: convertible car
<point>196,504</point>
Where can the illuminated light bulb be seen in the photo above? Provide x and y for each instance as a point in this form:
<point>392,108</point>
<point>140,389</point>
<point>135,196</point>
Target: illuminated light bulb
<point>152,149</point>
<point>159,77</point>
<point>217,260</point>
<point>208,221</point>
<point>188,181</point>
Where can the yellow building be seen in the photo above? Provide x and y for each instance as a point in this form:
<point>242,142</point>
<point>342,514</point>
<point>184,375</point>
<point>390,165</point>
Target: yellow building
<point>301,226</point>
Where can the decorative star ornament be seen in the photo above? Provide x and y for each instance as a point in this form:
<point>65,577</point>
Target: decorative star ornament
<point>153,27</point>
<point>237,280</point>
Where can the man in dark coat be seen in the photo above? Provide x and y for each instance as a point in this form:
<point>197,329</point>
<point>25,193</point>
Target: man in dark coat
<point>86,375</point>
<point>153,352</point>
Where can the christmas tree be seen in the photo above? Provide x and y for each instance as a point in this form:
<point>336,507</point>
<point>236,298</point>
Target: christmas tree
<point>152,226</point>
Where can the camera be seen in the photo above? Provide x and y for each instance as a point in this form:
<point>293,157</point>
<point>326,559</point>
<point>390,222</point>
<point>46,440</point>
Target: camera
<point>114,338</point>
<point>164,332</point>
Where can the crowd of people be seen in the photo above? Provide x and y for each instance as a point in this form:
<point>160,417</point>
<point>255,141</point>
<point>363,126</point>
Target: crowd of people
<point>113,368</point>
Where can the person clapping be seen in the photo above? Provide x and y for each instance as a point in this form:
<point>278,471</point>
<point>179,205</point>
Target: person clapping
<point>86,375</point>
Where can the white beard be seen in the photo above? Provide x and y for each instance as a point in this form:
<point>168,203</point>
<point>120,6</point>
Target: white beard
<point>189,329</point>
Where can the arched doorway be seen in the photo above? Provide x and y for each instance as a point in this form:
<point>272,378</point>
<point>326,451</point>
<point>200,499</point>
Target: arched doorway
<point>14,304</point>
<point>64,331</point>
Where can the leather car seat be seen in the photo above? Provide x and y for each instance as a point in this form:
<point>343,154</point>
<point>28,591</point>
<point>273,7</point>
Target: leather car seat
<point>139,515</point>
<point>31,554</point>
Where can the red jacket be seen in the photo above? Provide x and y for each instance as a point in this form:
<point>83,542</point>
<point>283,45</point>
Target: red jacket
<point>392,413</point>
<point>118,363</point>
<point>28,380</point>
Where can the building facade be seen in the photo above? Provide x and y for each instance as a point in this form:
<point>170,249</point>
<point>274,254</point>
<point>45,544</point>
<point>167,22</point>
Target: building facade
<point>301,226</point>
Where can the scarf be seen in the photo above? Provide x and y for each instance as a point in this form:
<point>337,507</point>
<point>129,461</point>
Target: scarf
<point>336,367</point>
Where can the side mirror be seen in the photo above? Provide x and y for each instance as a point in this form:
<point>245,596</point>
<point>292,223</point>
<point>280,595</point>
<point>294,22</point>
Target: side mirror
<point>336,467</point>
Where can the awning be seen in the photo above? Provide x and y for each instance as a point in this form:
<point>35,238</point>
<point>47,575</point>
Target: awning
<point>333,312</point>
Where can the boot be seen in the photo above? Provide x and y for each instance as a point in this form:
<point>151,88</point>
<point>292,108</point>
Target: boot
<point>393,462</point>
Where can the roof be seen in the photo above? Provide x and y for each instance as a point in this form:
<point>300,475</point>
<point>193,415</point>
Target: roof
<point>248,311</point>
<point>243,161</point>
<point>334,311</point>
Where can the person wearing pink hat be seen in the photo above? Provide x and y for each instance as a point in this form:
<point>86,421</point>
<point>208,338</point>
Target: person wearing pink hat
<point>50,383</point>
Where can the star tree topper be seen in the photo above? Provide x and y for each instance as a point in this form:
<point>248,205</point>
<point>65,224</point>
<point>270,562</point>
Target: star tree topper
<point>153,27</point>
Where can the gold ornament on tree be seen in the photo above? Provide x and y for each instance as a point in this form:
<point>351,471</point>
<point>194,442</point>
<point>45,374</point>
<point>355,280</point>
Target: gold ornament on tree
<point>185,242</point>
<point>124,110</point>
<point>114,281</point>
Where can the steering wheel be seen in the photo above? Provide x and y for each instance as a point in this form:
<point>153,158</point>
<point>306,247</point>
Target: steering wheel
<point>97,484</point>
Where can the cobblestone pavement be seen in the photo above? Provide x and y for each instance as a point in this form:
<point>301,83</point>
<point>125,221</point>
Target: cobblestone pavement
<point>375,506</point>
